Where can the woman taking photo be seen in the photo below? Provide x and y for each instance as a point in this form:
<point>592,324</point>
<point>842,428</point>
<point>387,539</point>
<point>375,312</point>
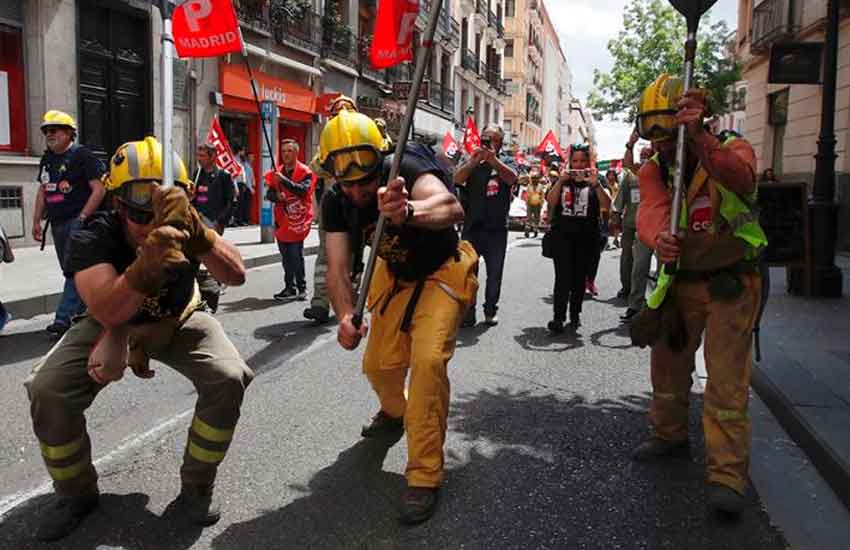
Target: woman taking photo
<point>575,203</point>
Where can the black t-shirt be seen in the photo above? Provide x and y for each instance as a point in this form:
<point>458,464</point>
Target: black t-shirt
<point>577,211</point>
<point>65,179</point>
<point>487,199</point>
<point>411,253</point>
<point>101,240</point>
<point>214,195</point>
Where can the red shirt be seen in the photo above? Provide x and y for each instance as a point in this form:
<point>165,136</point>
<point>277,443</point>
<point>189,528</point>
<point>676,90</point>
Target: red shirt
<point>293,213</point>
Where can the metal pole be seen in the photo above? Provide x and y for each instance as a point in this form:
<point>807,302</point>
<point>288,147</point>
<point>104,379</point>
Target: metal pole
<point>406,124</point>
<point>823,212</point>
<point>167,78</point>
<point>678,184</point>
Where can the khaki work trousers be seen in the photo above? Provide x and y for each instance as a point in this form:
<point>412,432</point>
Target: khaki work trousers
<point>728,327</point>
<point>424,351</point>
<point>60,391</point>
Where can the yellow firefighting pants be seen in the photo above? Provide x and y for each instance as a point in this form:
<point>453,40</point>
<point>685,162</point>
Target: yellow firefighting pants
<point>424,350</point>
<point>60,390</point>
<point>728,327</point>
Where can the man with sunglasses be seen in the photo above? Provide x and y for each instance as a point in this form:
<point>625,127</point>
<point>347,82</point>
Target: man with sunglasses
<point>423,281</point>
<point>69,192</point>
<point>135,270</point>
<point>715,290</point>
<point>488,180</point>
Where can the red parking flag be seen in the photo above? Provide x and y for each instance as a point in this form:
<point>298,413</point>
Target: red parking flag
<point>393,39</point>
<point>205,28</point>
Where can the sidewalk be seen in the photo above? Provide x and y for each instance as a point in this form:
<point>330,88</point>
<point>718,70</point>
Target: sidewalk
<point>804,374</point>
<point>32,284</point>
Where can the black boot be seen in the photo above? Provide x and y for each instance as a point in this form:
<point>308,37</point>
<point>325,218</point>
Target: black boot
<point>318,314</point>
<point>724,499</point>
<point>384,426</point>
<point>64,515</point>
<point>195,502</point>
<point>655,448</point>
<point>418,504</point>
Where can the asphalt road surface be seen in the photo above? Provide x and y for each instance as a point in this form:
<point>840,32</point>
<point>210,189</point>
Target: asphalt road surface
<point>537,454</point>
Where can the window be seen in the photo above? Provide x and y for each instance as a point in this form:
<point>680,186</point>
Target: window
<point>13,124</point>
<point>778,118</point>
<point>507,126</point>
<point>510,8</point>
<point>509,48</point>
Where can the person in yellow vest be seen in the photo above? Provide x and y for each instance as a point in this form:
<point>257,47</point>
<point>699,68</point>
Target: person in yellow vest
<point>714,293</point>
<point>533,203</point>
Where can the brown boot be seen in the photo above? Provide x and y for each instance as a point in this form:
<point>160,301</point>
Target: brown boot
<point>655,448</point>
<point>418,504</point>
<point>64,515</point>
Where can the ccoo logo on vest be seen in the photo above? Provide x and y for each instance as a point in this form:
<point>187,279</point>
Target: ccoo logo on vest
<point>205,28</point>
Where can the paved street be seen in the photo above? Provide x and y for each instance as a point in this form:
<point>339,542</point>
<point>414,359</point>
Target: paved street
<point>537,454</point>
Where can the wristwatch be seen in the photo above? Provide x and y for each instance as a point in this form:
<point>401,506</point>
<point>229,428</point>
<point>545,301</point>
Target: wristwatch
<point>410,211</point>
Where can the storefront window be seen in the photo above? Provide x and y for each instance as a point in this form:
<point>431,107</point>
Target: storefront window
<point>13,126</point>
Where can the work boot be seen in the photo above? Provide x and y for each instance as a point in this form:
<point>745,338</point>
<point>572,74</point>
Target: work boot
<point>725,499</point>
<point>195,503</point>
<point>318,314</point>
<point>555,326</point>
<point>655,448</point>
<point>469,319</point>
<point>64,515</point>
<point>628,315</point>
<point>384,426</point>
<point>418,504</point>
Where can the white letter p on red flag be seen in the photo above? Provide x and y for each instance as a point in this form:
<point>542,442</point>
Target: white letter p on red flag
<point>195,11</point>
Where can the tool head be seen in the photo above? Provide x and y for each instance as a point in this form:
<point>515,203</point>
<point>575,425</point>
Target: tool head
<point>693,10</point>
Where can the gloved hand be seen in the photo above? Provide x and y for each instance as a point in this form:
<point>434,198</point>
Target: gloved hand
<point>159,256</point>
<point>201,238</point>
<point>171,207</point>
<point>108,358</point>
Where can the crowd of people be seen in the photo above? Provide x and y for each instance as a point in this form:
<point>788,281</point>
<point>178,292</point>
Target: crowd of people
<point>143,277</point>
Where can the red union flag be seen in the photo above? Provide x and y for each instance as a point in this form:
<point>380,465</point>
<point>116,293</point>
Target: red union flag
<point>205,28</point>
<point>393,40</point>
<point>450,147</point>
<point>549,146</point>
<point>224,158</point>
<point>520,159</point>
<point>471,138</point>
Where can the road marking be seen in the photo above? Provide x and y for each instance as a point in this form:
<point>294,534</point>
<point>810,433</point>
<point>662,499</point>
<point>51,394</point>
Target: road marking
<point>10,502</point>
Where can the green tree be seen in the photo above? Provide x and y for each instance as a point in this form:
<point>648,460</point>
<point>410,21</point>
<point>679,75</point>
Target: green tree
<point>652,42</point>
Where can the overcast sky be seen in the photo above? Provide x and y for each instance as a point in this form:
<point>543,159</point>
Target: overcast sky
<point>585,27</point>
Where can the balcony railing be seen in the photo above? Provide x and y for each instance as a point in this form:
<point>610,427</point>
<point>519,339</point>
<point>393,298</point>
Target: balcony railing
<point>481,8</point>
<point>454,36</point>
<point>773,20</point>
<point>303,29</point>
<point>469,61</point>
<point>340,44</point>
<point>253,13</point>
<point>442,97</point>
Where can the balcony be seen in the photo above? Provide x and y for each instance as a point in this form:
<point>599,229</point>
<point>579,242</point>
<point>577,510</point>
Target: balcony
<point>454,35</point>
<point>494,78</point>
<point>469,61</point>
<point>773,20</point>
<point>495,24</point>
<point>301,30</point>
<point>442,97</point>
<point>340,44</point>
<point>253,14</point>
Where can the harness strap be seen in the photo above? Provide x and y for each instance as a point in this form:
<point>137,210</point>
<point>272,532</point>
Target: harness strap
<point>411,305</point>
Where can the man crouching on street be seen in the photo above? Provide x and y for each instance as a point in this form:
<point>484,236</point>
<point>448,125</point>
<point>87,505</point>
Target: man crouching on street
<point>135,270</point>
<point>423,282</point>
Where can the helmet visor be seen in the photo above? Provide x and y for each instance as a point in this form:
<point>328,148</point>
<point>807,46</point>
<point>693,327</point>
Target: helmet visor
<point>353,163</point>
<point>657,125</point>
<point>137,194</point>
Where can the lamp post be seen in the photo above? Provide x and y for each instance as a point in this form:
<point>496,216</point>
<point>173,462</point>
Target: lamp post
<point>823,211</point>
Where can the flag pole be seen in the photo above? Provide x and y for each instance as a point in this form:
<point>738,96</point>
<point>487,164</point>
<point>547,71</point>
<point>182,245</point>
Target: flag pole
<point>268,139</point>
<point>406,124</point>
<point>167,78</point>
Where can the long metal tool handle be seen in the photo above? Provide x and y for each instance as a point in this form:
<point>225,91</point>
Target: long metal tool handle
<point>418,75</point>
<point>268,139</point>
<point>681,142</point>
<point>167,77</point>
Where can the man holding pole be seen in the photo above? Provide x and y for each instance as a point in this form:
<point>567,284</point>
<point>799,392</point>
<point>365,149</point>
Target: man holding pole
<point>423,282</point>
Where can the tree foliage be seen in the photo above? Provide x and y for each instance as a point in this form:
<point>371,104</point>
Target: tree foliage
<point>652,42</point>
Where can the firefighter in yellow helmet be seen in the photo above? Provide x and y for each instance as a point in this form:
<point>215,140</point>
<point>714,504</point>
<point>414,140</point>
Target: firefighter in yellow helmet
<point>424,281</point>
<point>135,270</point>
<point>715,293</point>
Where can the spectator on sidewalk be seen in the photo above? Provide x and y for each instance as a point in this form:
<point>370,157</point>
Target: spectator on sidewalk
<point>70,191</point>
<point>488,179</point>
<point>636,259</point>
<point>291,188</point>
<point>214,201</point>
<point>246,184</point>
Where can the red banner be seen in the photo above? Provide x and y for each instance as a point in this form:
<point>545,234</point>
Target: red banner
<point>393,39</point>
<point>205,28</point>
<point>471,137</point>
<point>550,146</point>
<point>450,147</point>
<point>520,159</point>
<point>224,158</point>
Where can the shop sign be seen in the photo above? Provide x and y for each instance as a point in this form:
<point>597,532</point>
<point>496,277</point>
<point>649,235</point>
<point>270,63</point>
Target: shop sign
<point>285,93</point>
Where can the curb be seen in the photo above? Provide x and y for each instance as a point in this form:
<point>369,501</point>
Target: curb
<point>39,305</point>
<point>827,462</point>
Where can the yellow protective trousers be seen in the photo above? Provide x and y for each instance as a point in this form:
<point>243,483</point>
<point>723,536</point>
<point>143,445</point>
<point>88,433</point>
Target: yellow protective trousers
<point>424,350</point>
<point>728,327</point>
<point>60,390</point>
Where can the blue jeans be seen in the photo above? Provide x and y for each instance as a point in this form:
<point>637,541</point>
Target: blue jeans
<point>292,258</point>
<point>492,246</point>
<point>70,305</point>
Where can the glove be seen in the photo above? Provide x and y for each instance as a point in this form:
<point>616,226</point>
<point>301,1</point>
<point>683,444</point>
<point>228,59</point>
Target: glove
<point>272,195</point>
<point>159,256</point>
<point>108,358</point>
<point>201,238</point>
<point>171,207</point>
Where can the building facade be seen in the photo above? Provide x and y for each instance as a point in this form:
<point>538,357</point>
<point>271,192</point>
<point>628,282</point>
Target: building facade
<point>554,90</point>
<point>524,35</point>
<point>783,121</point>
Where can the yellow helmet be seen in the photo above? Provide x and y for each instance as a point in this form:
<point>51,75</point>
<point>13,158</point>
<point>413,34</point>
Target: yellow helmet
<point>341,103</point>
<point>58,118</point>
<point>388,141</point>
<point>350,147</point>
<point>657,108</point>
<point>137,164</point>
